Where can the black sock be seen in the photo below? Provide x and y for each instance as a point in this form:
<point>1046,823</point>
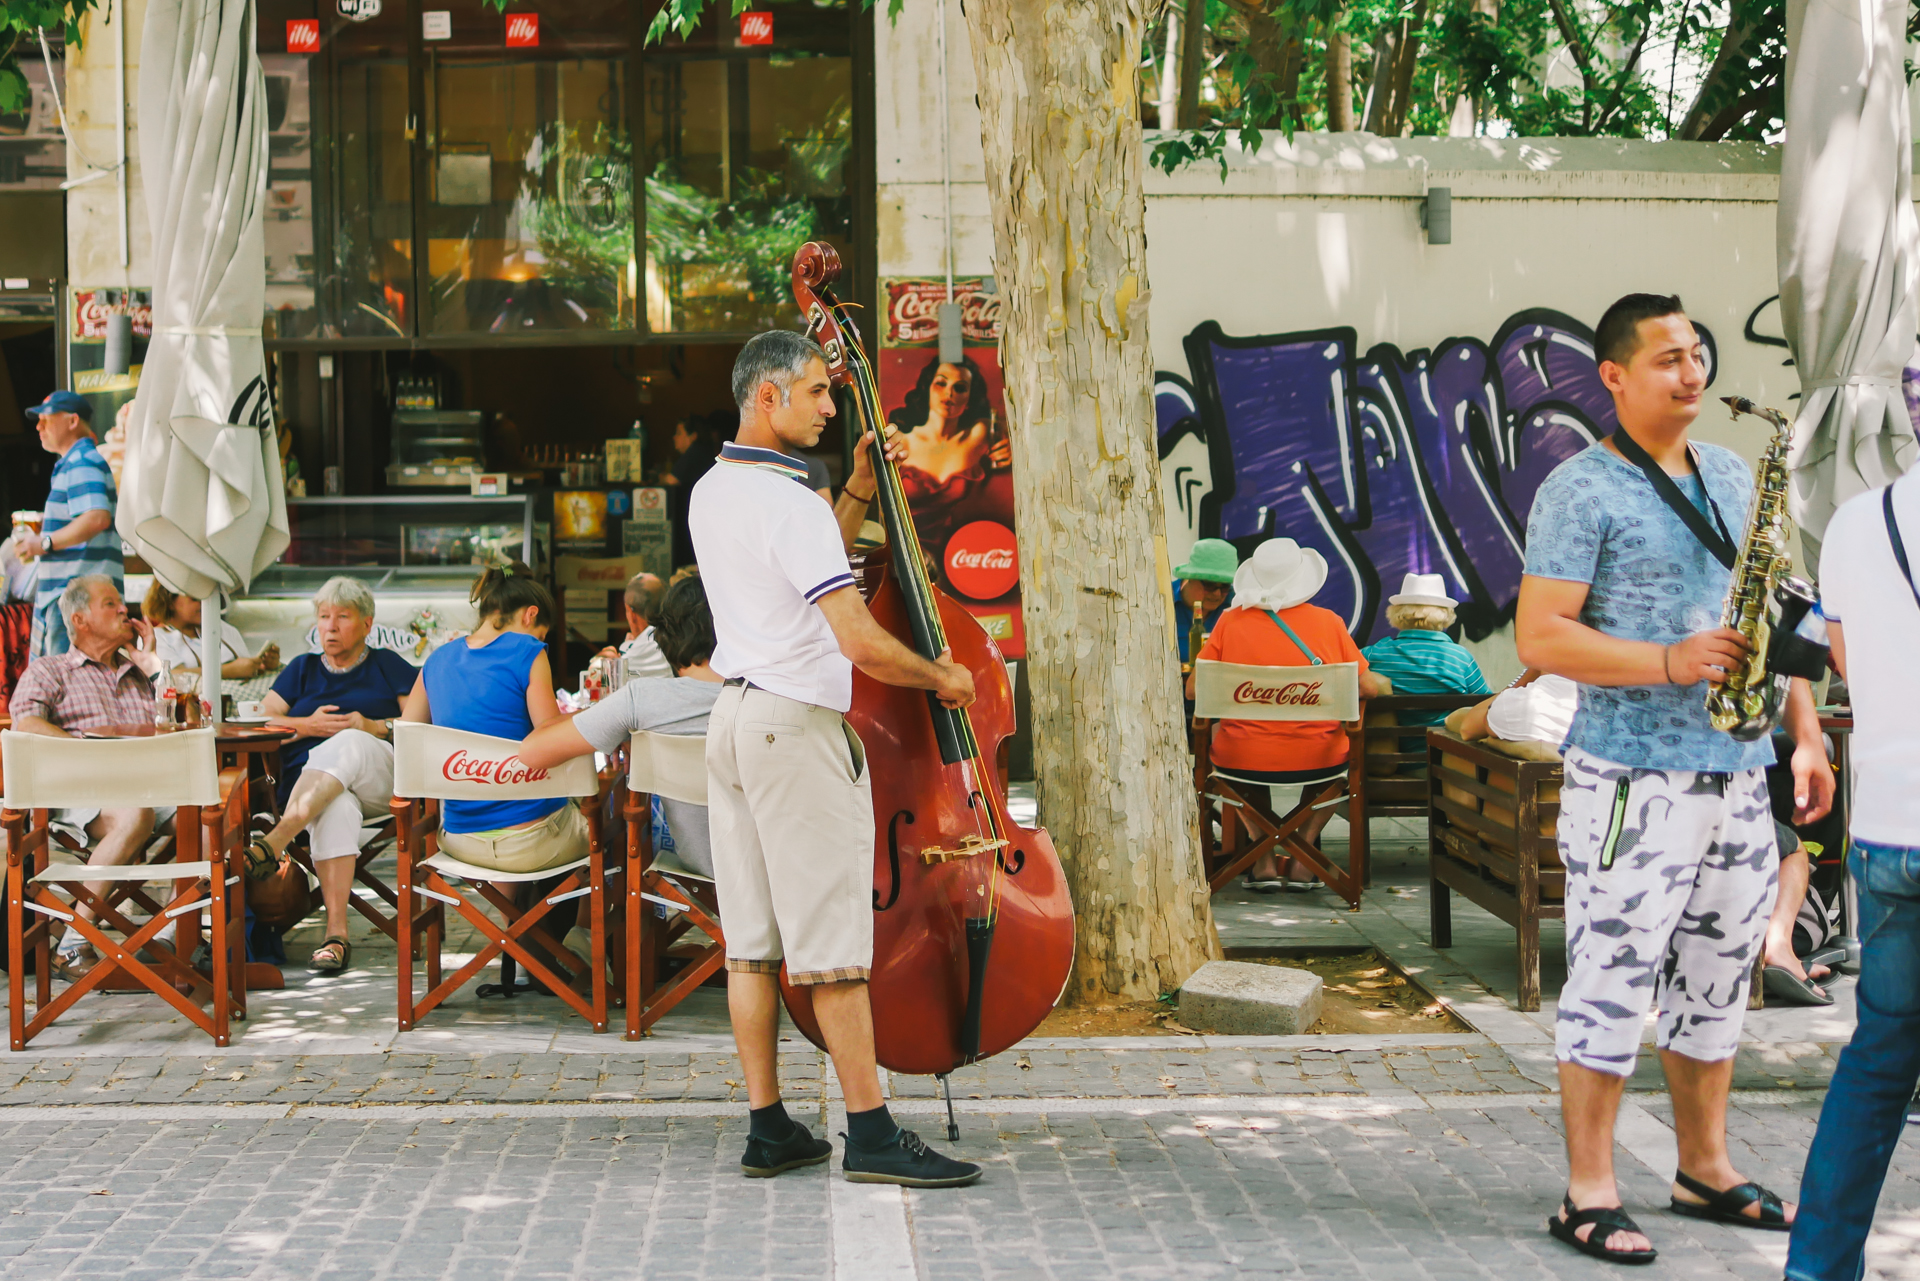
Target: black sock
<point>871,1130</point>
<point>770,1123</point>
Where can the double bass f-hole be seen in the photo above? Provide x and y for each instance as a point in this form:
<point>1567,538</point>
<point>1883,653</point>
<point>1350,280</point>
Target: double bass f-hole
<point>1019,861</point>
<point>893,861</point>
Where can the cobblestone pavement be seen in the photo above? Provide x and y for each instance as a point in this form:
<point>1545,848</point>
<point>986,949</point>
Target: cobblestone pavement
<point>1120,1068</point>
<point>1435,1188</point>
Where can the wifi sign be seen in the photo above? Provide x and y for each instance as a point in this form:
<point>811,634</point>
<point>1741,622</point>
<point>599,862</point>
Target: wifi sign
<point>523,30</point>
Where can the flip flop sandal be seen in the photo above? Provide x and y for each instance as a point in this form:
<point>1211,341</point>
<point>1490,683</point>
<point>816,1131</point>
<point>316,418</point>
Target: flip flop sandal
<point>1606,1220</point>
<point>1726,1207</point>
<point>1265,885</point>
<point>1784,983</point>
<point>1831,957</point>
<point>261,860</point>
<point>328,966</point>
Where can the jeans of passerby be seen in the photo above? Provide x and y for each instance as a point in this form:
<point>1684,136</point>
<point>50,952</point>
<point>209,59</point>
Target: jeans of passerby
<point>1866,1108</point>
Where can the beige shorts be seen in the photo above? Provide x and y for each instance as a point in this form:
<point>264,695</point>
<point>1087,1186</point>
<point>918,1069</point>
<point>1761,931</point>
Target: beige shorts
<point>555,841</point>
<point>790,812</point>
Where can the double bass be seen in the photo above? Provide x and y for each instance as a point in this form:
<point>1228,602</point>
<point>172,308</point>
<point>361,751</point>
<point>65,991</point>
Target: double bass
<point>972,924</point>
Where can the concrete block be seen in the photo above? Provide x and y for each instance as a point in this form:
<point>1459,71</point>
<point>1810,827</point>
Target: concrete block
<point>1241,998</point>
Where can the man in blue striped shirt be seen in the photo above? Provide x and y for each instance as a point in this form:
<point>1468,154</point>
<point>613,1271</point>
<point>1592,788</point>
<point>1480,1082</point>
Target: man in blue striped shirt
<point>76,530</point>
<point>1421,658</point>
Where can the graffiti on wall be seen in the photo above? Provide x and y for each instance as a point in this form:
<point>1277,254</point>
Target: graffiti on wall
<point>1386,463</point>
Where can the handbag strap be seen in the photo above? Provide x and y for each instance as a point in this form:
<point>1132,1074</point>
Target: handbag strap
<point>1716,540</point>
<point>1311,656</point>
<point>1899,544</point>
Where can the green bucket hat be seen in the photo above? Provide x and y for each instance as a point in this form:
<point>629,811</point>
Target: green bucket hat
<point>1212,560</point>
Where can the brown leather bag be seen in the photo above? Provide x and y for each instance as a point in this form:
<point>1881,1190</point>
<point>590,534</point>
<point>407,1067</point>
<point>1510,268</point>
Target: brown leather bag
<point>283,899</point>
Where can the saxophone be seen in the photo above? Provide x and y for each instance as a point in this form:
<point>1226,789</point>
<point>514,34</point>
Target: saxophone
<point>1765,604</point>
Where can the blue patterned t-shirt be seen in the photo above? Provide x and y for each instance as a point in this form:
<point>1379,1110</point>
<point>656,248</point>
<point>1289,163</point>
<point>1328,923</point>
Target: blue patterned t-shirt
<point>1597,520</point>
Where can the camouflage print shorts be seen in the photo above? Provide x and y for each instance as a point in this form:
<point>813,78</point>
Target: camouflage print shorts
<point>1670,879</point>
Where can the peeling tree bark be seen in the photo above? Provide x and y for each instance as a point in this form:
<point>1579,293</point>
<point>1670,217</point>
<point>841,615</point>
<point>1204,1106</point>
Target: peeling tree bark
<point>1064,160</point>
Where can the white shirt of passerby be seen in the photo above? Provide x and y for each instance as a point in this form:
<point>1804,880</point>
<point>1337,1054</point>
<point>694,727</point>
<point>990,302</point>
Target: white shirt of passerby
<point>1538,712</point>
<point>1862,589</point>
<point>641,656</point>
<point>768,550</point>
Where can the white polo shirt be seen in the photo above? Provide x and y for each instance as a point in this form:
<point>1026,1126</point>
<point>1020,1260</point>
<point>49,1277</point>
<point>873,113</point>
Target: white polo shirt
<point>768,549</point>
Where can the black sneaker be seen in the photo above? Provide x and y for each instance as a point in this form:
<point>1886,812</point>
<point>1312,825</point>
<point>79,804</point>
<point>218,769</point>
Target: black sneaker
<point>908,1161</point>
<point>765,1157</point>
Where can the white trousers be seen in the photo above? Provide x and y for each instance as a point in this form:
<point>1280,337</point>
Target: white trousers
<point>363,765</point>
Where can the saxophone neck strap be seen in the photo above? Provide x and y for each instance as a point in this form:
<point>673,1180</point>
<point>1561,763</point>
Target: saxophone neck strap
<point>1714,537</point>
<point>1899,544</point>
<point>1300,644</point>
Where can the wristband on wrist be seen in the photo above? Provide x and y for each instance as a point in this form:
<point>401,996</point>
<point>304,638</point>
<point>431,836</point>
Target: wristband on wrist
<point>862,498</point>
<point>1666,662</point>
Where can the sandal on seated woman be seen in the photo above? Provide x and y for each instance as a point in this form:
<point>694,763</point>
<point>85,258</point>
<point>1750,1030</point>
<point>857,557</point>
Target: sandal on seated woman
<point>332,956</point>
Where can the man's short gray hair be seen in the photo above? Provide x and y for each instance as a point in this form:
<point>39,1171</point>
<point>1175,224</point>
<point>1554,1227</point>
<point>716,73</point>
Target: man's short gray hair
<point>644,591</point>
<point>77,597</point>
<point>350,592</point>
<point>778,356</point>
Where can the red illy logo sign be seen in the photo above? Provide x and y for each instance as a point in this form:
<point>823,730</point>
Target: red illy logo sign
<point>523,30</point>
<point>1291,694</point>
<point>510,772</point>
<point>981,560</point>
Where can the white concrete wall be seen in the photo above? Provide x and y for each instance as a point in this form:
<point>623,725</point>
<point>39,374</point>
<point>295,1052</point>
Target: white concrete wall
<point>93,211</point>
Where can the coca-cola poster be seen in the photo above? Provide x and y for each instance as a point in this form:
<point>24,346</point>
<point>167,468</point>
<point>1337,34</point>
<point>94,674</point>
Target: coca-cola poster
<point>110,393</point>
<point>957,471</point>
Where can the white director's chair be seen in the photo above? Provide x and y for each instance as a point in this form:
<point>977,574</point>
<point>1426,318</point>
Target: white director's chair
<point>44,774</point>
<point>672,767</point>
<point>1320,692</point>
<point>425,758</point>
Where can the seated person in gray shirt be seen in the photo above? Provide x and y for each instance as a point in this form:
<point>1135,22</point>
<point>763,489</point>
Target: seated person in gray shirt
<point>684,629</point>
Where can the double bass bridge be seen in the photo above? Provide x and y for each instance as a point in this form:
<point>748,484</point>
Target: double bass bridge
<point>968,847</point>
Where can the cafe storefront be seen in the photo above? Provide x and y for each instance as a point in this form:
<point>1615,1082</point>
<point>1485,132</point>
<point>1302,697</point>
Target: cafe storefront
<point>502,240</point>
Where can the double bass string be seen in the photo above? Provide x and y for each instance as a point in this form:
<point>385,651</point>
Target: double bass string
<point>867,401</point>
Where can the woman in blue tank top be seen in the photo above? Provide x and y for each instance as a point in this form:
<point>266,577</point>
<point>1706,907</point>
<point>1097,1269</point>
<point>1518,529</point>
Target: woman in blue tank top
<point>497,681</point>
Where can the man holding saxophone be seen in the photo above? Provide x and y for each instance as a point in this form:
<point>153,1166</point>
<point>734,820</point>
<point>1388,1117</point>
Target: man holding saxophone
<point>1664,823</point>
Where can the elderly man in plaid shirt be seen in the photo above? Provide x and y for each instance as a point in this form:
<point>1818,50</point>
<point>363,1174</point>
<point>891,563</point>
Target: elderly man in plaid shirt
<point>105,679</point>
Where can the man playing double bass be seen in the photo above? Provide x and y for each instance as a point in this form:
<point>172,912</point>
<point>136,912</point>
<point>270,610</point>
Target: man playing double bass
<point>789,802</point>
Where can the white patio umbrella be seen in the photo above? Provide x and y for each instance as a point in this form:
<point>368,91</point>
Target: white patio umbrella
<point>202,496</point>
<point>1847,250</point>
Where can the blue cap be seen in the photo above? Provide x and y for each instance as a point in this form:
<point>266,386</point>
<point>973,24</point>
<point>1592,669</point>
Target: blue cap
<point>64,402</point>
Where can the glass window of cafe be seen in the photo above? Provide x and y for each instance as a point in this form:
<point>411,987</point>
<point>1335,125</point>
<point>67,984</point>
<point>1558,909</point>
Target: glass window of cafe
<point>442,174</point>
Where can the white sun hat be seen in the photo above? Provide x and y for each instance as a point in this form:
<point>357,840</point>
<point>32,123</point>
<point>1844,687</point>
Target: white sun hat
<point>1423,589</point>
<point>1279,575</point>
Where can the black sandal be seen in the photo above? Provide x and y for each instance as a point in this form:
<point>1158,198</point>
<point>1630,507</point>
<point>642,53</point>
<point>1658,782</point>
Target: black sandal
<point>1726,1207</point>
<point>319,966</point>
<point>262,862</point>
<point>1607,1220</point>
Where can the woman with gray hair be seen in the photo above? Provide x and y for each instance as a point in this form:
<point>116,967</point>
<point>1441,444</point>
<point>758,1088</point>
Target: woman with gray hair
<point>342,703</point>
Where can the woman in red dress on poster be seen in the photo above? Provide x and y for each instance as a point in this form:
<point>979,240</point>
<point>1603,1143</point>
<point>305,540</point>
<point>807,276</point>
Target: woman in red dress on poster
<point>956,469</point>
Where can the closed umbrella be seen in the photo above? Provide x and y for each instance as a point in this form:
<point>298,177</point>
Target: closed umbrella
<point>202,495</point>
<point>1846,250</point>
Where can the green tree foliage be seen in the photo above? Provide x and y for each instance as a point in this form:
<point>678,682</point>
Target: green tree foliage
<point>20,24</point>
<point>1700,70</point>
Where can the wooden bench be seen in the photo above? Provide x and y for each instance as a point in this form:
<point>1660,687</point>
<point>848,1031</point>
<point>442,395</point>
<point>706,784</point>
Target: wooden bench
<point>1491,824</point>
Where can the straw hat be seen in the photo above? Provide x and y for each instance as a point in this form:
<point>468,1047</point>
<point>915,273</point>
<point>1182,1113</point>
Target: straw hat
<point>1212,560</point>
<point>1279,575</point>
<point>1423,589</point>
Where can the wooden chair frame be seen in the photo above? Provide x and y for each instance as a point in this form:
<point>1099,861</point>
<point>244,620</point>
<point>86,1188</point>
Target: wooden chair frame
<point>1510,869</point>
<point>207,845</point>
<point>417,823</point>
<point>649,941</point>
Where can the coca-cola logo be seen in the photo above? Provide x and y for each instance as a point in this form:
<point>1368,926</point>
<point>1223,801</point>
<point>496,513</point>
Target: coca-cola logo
<point>982,561</point>
<point>91,309</point>
<point>1292,694</point>
<point>913,312</point>
<point>511,772</point>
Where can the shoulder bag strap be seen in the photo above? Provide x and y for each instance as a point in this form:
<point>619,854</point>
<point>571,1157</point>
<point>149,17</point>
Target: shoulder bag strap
<point>1281,624</point>
<point>1716,540</point>
<point>1899,544</point>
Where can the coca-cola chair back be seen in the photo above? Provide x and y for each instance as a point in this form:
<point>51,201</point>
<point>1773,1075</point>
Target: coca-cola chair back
<point>1238,692</point>
<point>104,773</point>
<point>453,765</point>
<point>671,766</point>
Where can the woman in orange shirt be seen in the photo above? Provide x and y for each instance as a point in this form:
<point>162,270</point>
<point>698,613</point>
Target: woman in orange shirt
<point>1277,581</point>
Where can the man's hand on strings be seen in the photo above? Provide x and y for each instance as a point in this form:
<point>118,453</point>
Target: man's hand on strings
<point>862,479</point>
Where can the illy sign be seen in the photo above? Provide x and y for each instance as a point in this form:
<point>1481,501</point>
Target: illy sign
<point>303,35</point>
<point>756,27</point>
<point>523,30</point>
